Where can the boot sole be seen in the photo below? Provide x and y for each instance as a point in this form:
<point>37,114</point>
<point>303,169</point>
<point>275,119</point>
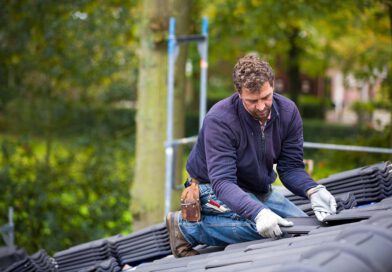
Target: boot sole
<point>172,233</point>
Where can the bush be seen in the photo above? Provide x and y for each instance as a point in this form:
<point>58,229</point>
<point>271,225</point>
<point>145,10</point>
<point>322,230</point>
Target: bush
<point>313,107</point>
<point>322,132</point>
<point>67,192</point>
<point>66,168</point>
<point>328,162</point>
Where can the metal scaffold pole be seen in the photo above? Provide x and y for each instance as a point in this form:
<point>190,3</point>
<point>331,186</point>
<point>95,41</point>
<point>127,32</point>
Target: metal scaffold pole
<point>170,106</point>
<point>203,51</point>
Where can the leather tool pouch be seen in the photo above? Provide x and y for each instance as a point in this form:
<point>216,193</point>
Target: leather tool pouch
<point>190,203</point>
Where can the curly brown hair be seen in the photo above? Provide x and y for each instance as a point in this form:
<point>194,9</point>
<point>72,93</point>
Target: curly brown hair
<point>252,72</point>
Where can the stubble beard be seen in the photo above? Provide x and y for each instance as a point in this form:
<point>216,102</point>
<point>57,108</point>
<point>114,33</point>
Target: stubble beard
<point>262,116</point>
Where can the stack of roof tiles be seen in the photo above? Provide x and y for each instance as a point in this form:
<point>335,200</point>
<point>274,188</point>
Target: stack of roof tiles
<point>359,246</point>
<point>146,245</point>
<point>85,255</point>
<point>39,262</point>
<point>343,201</point>
<point>367,184</point>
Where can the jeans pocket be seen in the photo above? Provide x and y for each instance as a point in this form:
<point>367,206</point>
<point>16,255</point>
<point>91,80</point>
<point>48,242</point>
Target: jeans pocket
<point>210,204</point>
<point>205,191</point>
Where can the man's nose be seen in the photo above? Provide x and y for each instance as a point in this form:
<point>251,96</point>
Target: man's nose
<point>260,105</point>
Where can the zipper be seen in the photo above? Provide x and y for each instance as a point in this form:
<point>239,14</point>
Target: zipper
<point>262,140</point>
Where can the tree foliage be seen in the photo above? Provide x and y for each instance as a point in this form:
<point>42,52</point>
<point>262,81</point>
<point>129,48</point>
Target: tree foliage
<point>66,158</point>
<point>300,37</point>
<point>78,196</point>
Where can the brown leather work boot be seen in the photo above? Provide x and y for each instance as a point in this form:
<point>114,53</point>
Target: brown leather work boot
<point>179,246</point>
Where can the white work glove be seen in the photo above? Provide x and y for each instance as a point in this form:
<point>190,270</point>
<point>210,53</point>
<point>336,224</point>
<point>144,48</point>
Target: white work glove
<point>323,203</point>
<point>267,223</point>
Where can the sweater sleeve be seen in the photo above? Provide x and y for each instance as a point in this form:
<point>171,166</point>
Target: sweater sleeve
<point>290,162</point>
<point>220,150</point>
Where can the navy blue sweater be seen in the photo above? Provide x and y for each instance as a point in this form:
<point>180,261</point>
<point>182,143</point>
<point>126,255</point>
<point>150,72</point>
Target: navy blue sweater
<point>234,155</point>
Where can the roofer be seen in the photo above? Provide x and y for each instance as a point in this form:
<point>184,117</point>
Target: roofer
<point>231,168</point>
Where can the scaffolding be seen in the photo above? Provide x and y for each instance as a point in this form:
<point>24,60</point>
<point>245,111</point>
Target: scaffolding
<point>173,50</point>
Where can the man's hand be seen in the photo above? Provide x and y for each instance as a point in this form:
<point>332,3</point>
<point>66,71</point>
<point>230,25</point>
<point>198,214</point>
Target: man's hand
<point>323,203</point>
<point>267,223</point>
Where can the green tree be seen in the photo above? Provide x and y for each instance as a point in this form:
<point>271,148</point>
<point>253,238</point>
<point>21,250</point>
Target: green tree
<point>299,37</point>
<point>62,164</point>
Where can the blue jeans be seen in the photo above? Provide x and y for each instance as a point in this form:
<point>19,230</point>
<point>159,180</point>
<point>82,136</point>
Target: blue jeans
<point>218,228</point>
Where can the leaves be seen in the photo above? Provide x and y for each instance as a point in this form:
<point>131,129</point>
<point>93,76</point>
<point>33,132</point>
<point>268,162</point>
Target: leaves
<point>350,35</point>
<point>66,152</point>
<point>72,199</point>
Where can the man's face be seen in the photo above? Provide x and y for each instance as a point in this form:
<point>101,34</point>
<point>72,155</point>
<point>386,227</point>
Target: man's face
<point>259,103</point>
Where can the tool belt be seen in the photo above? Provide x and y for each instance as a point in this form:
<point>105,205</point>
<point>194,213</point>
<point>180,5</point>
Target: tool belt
<point>190,201</point>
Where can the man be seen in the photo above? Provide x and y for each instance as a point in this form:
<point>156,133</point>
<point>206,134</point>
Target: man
<point>242,137</point>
